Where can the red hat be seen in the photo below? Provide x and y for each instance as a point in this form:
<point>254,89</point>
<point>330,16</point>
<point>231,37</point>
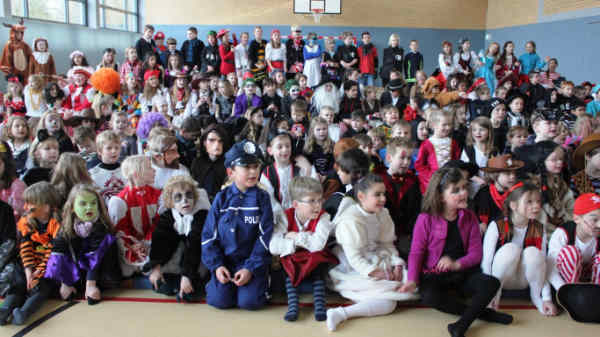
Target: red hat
<point>275,31</point>
<point>222,33</point>
<point>159,36</point>
<point>476,84</point>
<point>150,73</point>
<point>82,71</point>
<point>586,203</point>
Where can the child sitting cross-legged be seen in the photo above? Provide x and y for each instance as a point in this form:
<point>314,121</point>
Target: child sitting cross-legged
<point>300,240</point>
<point>177,240</point>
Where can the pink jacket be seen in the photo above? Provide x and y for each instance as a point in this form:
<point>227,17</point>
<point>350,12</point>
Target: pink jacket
<point>426,163</point>
<point>429,239</point>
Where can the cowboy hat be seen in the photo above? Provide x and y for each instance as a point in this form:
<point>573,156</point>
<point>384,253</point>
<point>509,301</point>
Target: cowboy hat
<point>503,163</point>
<point>587,144</point>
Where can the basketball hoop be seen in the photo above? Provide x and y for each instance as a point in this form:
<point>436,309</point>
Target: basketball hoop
<point>317,13</point>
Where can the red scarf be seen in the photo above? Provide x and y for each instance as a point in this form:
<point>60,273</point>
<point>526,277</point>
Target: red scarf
<point>497,196</point>
<point>180,94</point>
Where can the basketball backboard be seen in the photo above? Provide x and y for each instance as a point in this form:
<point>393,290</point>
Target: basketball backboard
<point>326,6</point>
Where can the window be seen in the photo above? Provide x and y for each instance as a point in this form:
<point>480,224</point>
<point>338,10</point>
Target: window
<point>66,11</point>
<point>119,14</point>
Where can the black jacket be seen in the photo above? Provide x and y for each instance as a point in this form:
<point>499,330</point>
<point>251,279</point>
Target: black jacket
<point>386,99</point>
<point>211,57</point>
<point>392,59</point>
<point>144,47</point>
<point>196,60</point>
<point>292,54</point>
<point>165,241</point>
<point>210,175</point>
<point>347,54</point>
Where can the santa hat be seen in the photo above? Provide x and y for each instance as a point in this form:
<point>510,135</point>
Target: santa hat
<point>586,203</point>
<point>76,53</point>
<point>82,71</point>
<point>150,73</point>
<point>159,36</point>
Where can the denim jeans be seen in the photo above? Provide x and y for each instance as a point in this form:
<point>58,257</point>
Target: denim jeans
<point>366,79</point>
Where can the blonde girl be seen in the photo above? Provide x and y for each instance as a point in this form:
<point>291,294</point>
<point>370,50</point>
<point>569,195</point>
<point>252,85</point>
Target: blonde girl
<point>43,156</point>
<point>13,100</point>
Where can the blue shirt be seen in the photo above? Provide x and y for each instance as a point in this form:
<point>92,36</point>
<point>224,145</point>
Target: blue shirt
<point>238,230</point>
<point>593,108</point>
<point>530,62</point>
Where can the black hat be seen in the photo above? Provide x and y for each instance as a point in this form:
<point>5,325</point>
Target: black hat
<point>274,134</point>
<point>396,84</point>
<point>243,153</point>
<point>580,300</point>
<point>547,114</point>
<point>515,96</point>
<point>494,102</point>
<point>471,168</point>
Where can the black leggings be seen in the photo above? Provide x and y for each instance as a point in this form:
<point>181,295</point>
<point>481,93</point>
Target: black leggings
<point>434,293</point>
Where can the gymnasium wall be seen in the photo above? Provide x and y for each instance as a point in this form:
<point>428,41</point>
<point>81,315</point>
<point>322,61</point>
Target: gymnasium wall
<point>429,21</point>
<point>562,29</point>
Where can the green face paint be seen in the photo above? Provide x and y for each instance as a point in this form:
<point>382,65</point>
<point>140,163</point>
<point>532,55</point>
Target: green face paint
<point>86,206</point>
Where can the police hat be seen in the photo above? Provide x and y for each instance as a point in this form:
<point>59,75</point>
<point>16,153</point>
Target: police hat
<point>243,153</point>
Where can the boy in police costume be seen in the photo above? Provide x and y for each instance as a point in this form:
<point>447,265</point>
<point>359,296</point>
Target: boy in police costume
<point>236,234</point>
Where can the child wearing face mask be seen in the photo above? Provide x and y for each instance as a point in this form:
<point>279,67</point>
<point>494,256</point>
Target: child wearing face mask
<point>248,99</point>
<point>293,93</point>
<point>175,252</point>
<point>162,146</point>
<point>85,245</point>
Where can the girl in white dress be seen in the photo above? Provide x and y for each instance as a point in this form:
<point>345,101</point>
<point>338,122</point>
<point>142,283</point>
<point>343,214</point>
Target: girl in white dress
<point>370,270</point>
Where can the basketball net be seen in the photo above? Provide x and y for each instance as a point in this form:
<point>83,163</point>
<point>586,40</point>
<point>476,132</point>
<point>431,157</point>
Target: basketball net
<point>317,14</point>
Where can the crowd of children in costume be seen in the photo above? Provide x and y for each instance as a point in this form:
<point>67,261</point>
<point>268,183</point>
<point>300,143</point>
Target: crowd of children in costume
<point>214,170</point>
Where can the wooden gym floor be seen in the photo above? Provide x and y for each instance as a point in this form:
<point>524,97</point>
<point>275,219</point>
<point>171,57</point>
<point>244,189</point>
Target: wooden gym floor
<point>144,313</point>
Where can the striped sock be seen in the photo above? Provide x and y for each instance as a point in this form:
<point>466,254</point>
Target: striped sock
<point>292,294</point>
<point>319,299</point>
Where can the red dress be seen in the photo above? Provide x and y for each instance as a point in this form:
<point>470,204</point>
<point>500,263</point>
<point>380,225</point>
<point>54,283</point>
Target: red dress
<point>227,59</point>
<point>302,263</point>
<point>426,163</point>
<point>78,98</point>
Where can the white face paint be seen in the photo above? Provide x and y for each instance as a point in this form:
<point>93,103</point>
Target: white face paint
<point>183,201</point>
<point>294,92</point>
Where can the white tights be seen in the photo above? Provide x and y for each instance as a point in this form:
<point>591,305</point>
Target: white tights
<point>517,268</point>
<point>361,309</point>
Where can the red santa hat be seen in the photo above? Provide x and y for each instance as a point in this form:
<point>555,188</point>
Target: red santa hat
<point>150,73</point>
<point>586,203</point>
<point>159,36</point>
<point>82,71</point>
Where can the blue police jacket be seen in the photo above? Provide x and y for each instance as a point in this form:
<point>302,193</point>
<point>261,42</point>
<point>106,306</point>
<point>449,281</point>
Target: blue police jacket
<point>238,230</point>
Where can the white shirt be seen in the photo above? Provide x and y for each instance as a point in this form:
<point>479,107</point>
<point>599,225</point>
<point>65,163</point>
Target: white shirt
<point>275,54</point>
<point>241,56</point>
<point>163,174</point>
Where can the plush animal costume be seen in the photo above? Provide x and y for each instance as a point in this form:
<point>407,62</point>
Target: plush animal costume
<point>16,53</point>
